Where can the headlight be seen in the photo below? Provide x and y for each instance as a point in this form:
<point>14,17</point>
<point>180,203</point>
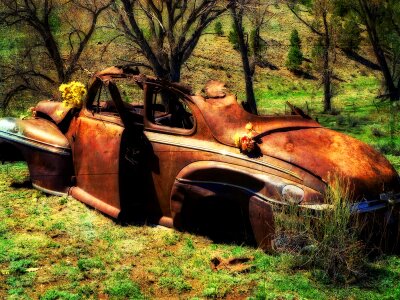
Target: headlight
<point>292,194</point>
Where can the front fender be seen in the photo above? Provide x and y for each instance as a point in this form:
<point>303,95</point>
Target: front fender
<point>45,149</point>
<point>206,183</point>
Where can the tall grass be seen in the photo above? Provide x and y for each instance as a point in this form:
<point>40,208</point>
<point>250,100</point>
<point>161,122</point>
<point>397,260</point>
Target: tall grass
<point>326,242</point>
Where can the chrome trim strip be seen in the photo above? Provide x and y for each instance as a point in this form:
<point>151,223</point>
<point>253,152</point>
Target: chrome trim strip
<point>34,143</point>
<point>374,205</point>
<point>234,155</point>
<point>47,191</point>
<point>273,201</point>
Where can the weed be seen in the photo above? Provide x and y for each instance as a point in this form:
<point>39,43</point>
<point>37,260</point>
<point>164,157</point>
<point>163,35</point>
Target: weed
<point>21,280</point>
<point>55,294</point>
<point>218,29</point>
<point>171,239</point>
<point>87,264</point>
<point>58,226</point>
<point>340,120</point>
<point>174,283</point>
<point>63,200</point>
<point>123,289</point>
<point>387,147</point>
<point>337,250</point>
<point>377,132</point>
<point>189,245</point>
<point>20,266</point>
<point>352,121</point>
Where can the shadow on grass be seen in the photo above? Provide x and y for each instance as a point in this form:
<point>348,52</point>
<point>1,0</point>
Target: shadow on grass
<point>27,184</point>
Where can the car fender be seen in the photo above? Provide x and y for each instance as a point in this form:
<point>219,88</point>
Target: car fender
<point>216,180</point>
<point>45,149</point>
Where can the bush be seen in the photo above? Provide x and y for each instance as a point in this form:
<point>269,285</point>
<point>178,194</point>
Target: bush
<point>295,56</point>
<point>350,35</point>
<point>218,29</point>
<point>233,38</point>
<point>124,289</point>
<point>326,242</point>
<point>377,132</point>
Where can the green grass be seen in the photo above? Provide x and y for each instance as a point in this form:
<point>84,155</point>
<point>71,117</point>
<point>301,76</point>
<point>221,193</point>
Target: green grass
<point>53,249</point>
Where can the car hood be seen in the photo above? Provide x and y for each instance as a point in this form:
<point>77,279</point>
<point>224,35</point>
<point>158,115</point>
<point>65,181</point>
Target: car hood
<point>329,154</point>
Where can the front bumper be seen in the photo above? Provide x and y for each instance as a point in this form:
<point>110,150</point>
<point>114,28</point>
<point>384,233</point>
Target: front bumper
<point>386,200</point>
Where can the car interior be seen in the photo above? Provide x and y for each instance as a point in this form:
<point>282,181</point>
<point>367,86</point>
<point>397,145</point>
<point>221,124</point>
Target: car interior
<point>167,108</point>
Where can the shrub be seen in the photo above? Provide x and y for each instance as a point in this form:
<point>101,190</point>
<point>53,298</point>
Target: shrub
<point>233,38</point>
<point>328,241</point>
<point>350,35</point>
<point>377,132</point>
<point>86,264</point>
<point>20,266</point>
<point>295,56</point>
<point>340,120</point>
<point>54,294</point>
<point>218,29</point>
<point>124,289</point>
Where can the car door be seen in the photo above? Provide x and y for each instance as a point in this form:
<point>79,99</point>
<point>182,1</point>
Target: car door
<point>97,151</point>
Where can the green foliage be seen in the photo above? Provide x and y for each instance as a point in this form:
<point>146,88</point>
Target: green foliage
<point>350,35</point>
<point>218,29</point>
<point>20,266</point>
<point>171,239</point>
<point>87,264</point>
<point>329,245</point>
<point>233,38</point>
<point>295,56</point>
<point>55,23</point>
<point>174,283</point>
<point>317,49</point>
<point>123,288</point>
<point>55,294</point>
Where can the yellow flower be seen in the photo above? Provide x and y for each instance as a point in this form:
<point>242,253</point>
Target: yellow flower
<point>237,138</point>
<point>72,94</point>
<point>249,126</point>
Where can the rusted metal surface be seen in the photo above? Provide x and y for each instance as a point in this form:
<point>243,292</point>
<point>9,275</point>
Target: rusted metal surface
<point>44,147</point>
<point>56,111</point>
<point>188,174</point>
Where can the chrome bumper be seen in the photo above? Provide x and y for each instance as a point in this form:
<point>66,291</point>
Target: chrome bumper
<point>386,200</point>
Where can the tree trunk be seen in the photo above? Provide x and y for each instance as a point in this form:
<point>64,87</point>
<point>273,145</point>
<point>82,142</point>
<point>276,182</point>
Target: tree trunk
<point>237,19</point>
<point>379,53</point>
<point>327,71</point>
<point>175,69</point>
<point>380,57</point>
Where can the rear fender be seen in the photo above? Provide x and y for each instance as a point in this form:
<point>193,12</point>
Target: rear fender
<point>45,149</point>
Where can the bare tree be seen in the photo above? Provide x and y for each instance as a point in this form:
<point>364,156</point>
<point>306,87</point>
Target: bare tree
<point>253,53</point>
<point>320,12</point>
<point>166,32</point>
<point>49,58</point>
<point>237,11</point>
<point>381,19</point>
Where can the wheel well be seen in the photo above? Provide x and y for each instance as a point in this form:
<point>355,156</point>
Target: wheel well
<point>223,217</point>
<point>10,152</point>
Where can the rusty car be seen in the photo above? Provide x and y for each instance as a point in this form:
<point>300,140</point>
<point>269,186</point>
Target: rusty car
<point>143,147</point>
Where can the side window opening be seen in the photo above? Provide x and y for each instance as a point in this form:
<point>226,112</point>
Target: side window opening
<point>168,109</point>
<point>132,97</point>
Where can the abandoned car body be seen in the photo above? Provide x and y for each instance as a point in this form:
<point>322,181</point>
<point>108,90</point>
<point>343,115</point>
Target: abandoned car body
<point>171,156</point>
